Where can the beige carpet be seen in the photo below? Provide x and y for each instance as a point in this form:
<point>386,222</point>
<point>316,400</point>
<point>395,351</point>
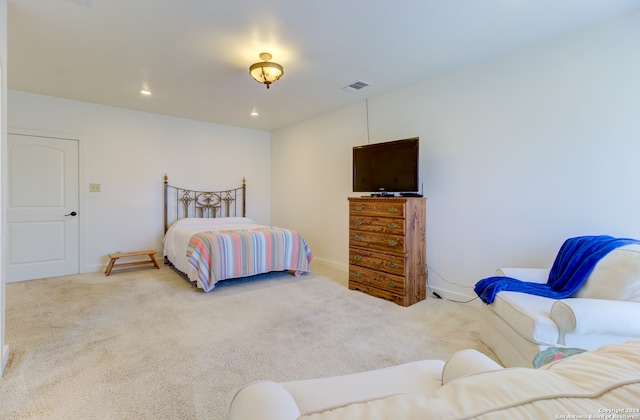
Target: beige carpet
<point>144,343</point>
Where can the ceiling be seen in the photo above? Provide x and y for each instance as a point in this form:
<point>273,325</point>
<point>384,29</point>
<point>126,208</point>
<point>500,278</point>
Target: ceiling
<point>194,55</point>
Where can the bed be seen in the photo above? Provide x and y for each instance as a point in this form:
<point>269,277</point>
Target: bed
<point>209,238</point>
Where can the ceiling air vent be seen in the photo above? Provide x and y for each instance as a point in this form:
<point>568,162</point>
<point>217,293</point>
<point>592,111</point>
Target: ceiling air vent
<point>355,86</point>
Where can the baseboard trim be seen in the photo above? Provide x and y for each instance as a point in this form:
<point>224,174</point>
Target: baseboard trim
<point>453,295</point>
<point>5,358</point>
<point>330,264</point>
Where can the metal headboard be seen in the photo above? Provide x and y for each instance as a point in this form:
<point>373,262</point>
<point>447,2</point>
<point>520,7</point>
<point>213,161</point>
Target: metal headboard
<point>202,204</point>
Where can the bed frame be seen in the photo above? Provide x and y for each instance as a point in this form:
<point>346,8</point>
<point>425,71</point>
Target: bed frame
<point>181,202</point>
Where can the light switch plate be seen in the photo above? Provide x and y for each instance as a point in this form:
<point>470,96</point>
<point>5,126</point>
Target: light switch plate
<point>94,187</point>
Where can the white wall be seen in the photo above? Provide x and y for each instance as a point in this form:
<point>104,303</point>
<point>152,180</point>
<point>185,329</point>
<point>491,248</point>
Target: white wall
<point>517,154</point>
<point>128,153</point>
<point>311,178</point>
<point>4,350</point>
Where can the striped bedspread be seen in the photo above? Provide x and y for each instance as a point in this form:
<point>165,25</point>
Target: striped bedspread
<point>225,254</point>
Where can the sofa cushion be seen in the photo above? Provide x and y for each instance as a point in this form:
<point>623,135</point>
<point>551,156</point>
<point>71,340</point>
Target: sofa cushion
<point>528,315</point>
<point>419,377</point>
<point>467,362</point>
<point>615,277</point>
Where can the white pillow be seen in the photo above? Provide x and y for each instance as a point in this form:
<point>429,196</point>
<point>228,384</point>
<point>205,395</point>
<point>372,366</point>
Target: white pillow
<point>206,222</point>
<point>615,277</point>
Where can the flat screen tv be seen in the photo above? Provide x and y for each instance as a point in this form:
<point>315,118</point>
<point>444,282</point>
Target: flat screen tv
<point>386,168</point>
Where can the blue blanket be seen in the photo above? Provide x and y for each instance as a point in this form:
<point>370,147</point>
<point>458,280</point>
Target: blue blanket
<point>573,264</point>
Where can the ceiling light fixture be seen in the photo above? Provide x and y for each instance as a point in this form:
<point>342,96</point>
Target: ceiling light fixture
<point>266,72</point>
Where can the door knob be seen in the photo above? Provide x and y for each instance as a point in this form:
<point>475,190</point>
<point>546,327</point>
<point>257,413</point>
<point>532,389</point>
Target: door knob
<point>73,213</point>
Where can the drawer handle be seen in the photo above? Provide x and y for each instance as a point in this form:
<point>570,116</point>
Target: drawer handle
<point>357,238</point>
<point>392,243</point>
<point>392,226</point>
<point>392,210</point>
<point>357,257</point>
<point>391,283</point>
<point>358,223</point>
<point>391,264</point>
<point>358,208</point>
<point>357,275</point>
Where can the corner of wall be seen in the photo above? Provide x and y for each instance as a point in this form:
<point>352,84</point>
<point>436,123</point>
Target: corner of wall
<point>5,359</point>
<point>3,137</point>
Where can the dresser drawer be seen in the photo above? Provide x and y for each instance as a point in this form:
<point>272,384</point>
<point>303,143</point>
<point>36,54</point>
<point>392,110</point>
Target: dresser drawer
<point>377,279</point>
<point>393,264</point>
<point>377,224</point>
<point>380,208</point>
<point>399,299</point>
<point>393,244</point>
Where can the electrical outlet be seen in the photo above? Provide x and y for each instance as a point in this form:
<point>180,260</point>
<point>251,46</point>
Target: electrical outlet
<point>94,187</point>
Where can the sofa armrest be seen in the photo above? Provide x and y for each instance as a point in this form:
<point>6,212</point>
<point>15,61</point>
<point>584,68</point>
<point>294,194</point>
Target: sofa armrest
<point>532,275</point>
<point>467,362</point>
<point>264,400</point>
<point>596,316</point>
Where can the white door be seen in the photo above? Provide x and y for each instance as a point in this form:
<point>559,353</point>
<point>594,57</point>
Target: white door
<point>42,207</point>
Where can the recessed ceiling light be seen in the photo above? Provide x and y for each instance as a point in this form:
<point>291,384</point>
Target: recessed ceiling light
<point>254,113</point>
<point>145,92</point>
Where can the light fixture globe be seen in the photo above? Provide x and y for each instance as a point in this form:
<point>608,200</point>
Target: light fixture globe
<point>266,72</point>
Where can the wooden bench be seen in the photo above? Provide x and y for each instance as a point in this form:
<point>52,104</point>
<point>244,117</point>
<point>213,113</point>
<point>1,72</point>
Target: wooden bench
<point>115,257</point>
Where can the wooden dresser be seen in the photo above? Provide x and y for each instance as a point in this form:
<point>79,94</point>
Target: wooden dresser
<point>387,248</point>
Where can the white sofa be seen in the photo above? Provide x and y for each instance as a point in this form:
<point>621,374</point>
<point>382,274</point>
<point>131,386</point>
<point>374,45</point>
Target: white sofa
<point>606,309</point>
<point>469,385</point>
